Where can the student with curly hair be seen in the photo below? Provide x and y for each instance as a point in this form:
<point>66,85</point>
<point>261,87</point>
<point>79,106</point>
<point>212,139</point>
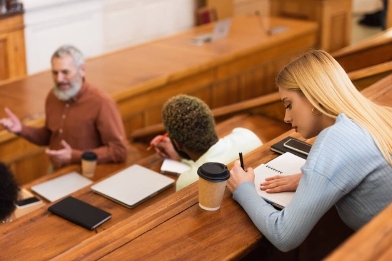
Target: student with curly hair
<point>349,165</point>
<point>192,138</point>
<point>9,190</point>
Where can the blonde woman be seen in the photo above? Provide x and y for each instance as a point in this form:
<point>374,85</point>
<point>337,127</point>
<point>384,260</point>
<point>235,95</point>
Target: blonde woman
<point>349,165</point>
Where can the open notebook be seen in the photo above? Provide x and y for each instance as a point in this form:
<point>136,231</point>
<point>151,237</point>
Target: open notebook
<point>284,164</point>
<point>132,185</point>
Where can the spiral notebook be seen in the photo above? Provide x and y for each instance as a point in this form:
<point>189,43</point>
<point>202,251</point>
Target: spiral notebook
<point>284,164</point>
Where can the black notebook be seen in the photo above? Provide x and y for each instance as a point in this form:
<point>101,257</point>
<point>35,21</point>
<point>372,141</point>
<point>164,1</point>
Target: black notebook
<point>296,145</point>
<point>80,212</point>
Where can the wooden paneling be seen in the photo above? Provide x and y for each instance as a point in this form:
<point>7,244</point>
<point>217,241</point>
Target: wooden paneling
<point>224,8</point>
<point>371,243</point>
<point>388,17</point>
<point>369,52</point>
<point>251,7</point>
<point>332,16</point>
<point>12,47</point>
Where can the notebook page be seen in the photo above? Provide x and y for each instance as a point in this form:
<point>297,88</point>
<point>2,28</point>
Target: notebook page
<point>284,164</point>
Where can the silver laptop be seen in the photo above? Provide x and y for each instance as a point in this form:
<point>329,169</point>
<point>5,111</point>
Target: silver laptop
<point>62,186</point>
<point>132,185</point>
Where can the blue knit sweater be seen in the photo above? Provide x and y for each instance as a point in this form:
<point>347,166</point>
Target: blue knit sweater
<point>344,168</point>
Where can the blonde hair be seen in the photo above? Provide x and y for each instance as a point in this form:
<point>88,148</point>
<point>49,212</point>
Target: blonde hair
<point>318,76</point>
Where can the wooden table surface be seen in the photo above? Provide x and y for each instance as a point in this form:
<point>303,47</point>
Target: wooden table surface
<point>47,235</point>
<point>177,228</point>
<point>170,224</point>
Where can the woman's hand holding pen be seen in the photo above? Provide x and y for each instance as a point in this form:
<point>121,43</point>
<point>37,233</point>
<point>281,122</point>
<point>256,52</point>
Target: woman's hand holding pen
<point>238,176</point>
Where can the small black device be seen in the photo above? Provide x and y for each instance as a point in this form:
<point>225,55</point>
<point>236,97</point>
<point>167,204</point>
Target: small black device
<point>27,202</point>
<point>297,145</point>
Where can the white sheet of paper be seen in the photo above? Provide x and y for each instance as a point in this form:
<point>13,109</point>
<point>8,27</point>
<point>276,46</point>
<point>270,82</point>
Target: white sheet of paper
<point>174,166</point>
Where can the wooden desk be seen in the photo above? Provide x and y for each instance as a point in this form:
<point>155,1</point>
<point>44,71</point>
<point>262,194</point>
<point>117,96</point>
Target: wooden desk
<point>143,77</point>
<point>44,235</point>
<point>170,225</point>
<point>373,242</point>
<point>177,228</point>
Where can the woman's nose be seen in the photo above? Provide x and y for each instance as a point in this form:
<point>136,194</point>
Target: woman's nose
<point>287,118</point>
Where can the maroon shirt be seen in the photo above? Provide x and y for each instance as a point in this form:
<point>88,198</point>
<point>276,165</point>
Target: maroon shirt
<point>89,121</point>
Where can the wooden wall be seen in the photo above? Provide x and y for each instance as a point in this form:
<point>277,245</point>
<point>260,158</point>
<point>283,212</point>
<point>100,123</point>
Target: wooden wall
<point>332,16</point>
<point>12,47</point>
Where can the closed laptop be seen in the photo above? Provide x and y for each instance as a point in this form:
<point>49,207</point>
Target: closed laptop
<point>132,185</point>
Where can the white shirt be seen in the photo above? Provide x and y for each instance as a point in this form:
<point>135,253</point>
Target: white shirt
<point>224,151</point>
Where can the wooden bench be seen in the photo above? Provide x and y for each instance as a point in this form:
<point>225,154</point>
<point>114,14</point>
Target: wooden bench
<point>365,77</point>
<point>227,118</point>
<point>245,115</point>
<point>369,52</point>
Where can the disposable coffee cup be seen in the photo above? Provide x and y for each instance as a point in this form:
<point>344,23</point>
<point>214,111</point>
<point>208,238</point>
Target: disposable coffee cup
<point>89,162</point>
<point>212,182</point>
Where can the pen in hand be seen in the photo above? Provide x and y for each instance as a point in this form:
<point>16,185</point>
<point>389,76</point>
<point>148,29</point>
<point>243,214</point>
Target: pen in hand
<point>242,161</point>
<point>157,141</point>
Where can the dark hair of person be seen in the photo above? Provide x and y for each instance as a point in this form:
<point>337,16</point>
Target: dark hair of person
<point>190,122</point>
<point>9,190</point>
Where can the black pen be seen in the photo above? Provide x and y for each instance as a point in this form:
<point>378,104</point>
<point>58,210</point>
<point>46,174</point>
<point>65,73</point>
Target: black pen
<point>242,161</point>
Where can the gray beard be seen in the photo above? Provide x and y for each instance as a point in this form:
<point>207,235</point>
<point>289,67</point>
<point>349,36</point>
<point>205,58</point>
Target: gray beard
<point>66,95</point>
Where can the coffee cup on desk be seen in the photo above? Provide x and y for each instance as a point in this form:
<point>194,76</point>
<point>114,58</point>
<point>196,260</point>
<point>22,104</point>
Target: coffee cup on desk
<point>212,182</point>
<point>89,162</point>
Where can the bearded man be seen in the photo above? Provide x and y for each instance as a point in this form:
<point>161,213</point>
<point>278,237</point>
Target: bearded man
<point>79,117</point>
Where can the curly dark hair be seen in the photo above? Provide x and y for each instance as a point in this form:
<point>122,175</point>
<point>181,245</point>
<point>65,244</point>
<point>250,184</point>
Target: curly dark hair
<point>190,122</point>
<point>9,190</point>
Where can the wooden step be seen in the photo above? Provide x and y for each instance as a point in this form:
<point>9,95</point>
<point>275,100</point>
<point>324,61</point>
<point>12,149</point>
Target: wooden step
<point>264,127</point>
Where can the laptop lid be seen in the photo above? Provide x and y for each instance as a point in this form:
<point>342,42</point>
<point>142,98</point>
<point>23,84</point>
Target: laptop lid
<point>62,186</point>
<point>132,185</point>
